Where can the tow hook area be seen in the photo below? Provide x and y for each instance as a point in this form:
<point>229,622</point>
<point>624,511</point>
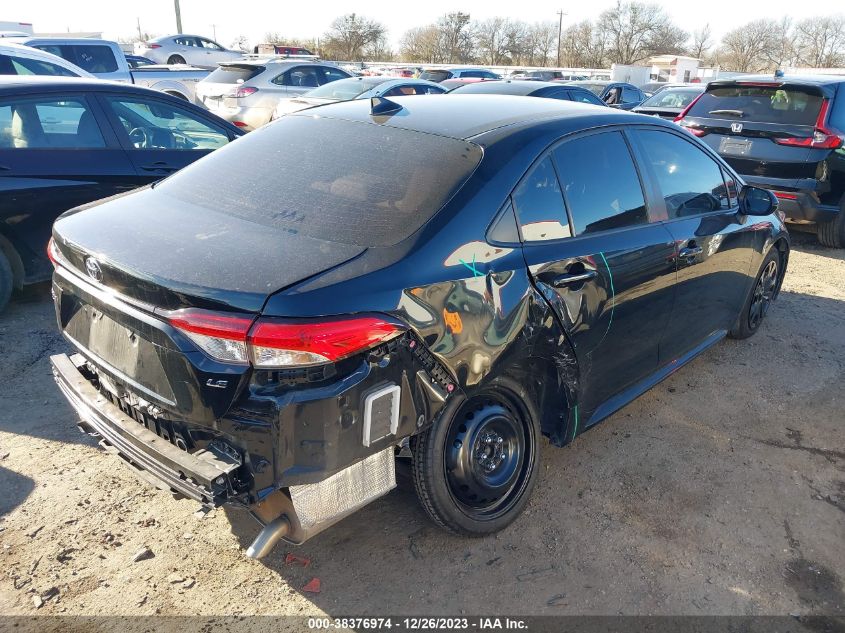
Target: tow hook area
<point>299,512</point>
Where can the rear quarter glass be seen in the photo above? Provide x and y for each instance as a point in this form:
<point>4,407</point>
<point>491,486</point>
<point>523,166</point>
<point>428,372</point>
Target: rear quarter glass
<point>233,74</point>
<point>281,176</point>
<point>760,104</point>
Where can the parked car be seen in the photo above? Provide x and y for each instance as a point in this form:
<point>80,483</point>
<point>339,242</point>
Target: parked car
<point>451,84</point>
<point>136,61</point>
<point>457,277</point>
<point>105,59</point>
<point>186,49</point>
<point>785,134</point>
<point>247,92</point>
<point>68,141</point>
<point>457,72</point>
<point>551,75</point>
<point>669,102</point>
<point>357,88</point>
<point>17,59</point>
<point>282,49</point>
<point>616,94</point>
<point>548,89</point>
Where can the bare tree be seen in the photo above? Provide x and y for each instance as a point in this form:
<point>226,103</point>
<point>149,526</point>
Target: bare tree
<point>518,45</point>
<point>820,41</point>
<point>349,35</point>
<point>702,42</point>
<point>490,40</point>
<point>455,36</point>
<point>583,45</point>
<point>421,44</point>
<point>635,31</point>
<point>750,47</point>
<point>543,36</point>
<point>240,43</point>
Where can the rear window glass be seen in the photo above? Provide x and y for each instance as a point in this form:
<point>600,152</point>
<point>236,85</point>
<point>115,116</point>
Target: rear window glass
<point>281,176</point>
<point>95,58</point>
<point>435,75</point>
<point>233,74</point>
<point>761,104</point>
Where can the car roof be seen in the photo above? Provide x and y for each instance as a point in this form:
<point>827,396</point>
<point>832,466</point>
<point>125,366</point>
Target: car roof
<point>466,116</point>
<point>597,82</point>
<point>813,80</point>
<point>66,40</point>
<point>48,83</point>
<point>305,60</point>
<point>506,87</point>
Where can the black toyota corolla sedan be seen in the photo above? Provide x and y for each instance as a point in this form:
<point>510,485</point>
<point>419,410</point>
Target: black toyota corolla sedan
<point>449,280</point>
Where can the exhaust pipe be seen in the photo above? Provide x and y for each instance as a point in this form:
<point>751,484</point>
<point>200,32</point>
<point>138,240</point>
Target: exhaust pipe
<point>267,538</point>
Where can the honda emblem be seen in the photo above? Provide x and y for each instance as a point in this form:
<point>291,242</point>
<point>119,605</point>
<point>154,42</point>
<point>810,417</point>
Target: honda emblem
<point>736,128</point>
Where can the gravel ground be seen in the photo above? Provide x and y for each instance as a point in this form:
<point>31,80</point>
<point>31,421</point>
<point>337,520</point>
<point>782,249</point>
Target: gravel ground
<point>721,491</point>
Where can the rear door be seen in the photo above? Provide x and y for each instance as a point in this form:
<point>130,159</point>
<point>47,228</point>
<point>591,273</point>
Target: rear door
<point>161,137</point>
<point>748,124</point>
<point>56,152</point>
<point>300,79</point>
<point>594,253</point>
<point>713,241</point>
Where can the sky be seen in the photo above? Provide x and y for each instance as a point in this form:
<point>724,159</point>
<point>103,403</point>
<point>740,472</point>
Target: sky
<point>300,19</point>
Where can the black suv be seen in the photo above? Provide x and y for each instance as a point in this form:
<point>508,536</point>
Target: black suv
<point>784,134</point>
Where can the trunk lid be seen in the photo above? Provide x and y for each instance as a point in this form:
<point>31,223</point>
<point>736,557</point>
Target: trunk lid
<point>743,121</point>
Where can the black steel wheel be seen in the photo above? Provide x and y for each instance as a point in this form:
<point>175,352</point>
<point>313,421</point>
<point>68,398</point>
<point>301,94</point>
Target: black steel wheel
<point>475,468</point>
<point>760,299</point>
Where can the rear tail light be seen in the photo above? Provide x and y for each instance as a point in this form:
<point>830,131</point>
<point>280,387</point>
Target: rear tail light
<point>690,128</point>
<point>52,252</point>
<point>238,123</point>
<point>274,343</point>
<point>243,91</point>
<point>151,45</point>
<point>823,137</point>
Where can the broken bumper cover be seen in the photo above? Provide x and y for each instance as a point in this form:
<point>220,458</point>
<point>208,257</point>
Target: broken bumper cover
<point>203,476</point>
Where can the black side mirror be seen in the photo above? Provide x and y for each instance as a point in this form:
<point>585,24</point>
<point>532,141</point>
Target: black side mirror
<point>757,201</point>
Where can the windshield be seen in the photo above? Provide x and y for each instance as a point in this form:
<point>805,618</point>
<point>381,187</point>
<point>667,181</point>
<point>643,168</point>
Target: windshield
<point>280,176</point>
<point>671,99</point>
<point>761,104</point>
<point>344,89</point>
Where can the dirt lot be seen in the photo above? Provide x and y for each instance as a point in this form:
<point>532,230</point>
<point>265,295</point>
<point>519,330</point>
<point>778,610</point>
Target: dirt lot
<point>721,491</point>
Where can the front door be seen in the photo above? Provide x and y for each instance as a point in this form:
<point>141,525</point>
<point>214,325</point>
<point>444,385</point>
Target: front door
<point>56,153</point>
<point>713,241</point>
<point>606,269</point>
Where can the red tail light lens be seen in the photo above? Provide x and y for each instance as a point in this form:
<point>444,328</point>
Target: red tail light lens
<point>243,91</point>
<point>822,138</point>
<point>52,252</point>
<point>273,343</point>
<point>280,344</point>
<point>151,45</point>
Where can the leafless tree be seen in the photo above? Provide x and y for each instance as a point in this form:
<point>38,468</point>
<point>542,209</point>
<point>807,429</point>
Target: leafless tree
<point>702,42</point>
<point>421,44</point>
<point>349,36</point>
<point>635,31</point>
<point>750,47</point>
<point>491,42</point>
<point>455,36</point>
<point>583,45</point>
<point>543,36</point>
<point>820,41</point>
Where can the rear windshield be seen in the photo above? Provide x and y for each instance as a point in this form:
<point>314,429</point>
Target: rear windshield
<point>435,75</point>
<point>375,187</point>
<point>760,104</point>
<point>233,74</point>
<point>671,99</point>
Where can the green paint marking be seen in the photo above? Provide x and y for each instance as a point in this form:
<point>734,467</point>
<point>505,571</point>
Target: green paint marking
<point>575,430</point>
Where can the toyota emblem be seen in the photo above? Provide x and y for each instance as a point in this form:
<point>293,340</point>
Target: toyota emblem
<point>92,267</point>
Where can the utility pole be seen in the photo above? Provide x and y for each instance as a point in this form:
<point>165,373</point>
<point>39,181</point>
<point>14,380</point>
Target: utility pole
<point>140,34</point>
<point>560,15</point>
<point>214,28</point>
<point>178,17</point>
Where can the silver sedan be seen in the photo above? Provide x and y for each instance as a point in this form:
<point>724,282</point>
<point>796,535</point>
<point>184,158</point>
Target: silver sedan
<point>186,49</point>
<point>357,88</point>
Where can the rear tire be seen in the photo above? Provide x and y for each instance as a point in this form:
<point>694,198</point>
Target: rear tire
<point>761,296</point>
<point>7,281</point>
<point>832,234</point>
<point>175,59</point>
<point>474,470</point>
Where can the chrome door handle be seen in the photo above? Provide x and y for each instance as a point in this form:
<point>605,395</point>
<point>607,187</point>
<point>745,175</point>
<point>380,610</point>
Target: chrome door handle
<point>573,278</point>
<point>692,251</point>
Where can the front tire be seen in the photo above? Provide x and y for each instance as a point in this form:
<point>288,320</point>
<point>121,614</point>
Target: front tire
<point>175,59</point>
<point>474,469</point>
<point>760,298</point>
<point>832,234</point>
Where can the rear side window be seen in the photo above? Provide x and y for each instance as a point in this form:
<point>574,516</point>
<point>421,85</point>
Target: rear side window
<point>95,58</point>
<point>600,183</point>
<point>760,104</point>
<point>584,96</point>
<point>691,182</point>
<point>332,74</point>
<point>48,124</point>
<point>435,75</point>
<point>13,65</point>
<point>351,195</point>
<point>233,74</point>
<point>630,95</point>
<point>299,77</point>
<point>539,204</point>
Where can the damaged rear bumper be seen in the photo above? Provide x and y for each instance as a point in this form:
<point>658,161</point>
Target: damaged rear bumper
<point>203,476</point>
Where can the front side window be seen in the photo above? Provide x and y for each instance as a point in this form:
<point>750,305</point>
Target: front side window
<point>690,181</point>
<point>332,74</point>
<point>630,95</point>
<point>299,77</point>
<point>600,183</point>
<point>539,205</point>
<point>13,65</point>
<point>152,124</point>
<point>214,46</point>
<point>584,96</point>
<point>48,124</point>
